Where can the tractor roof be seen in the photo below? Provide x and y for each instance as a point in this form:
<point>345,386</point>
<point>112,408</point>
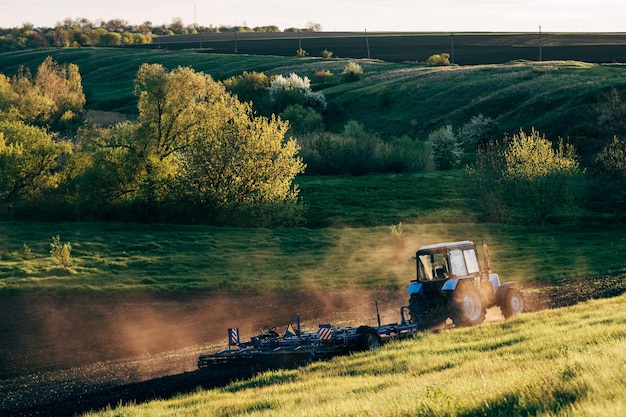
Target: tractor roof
<point>439,247</point>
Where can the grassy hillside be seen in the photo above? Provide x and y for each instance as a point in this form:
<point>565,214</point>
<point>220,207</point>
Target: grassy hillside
<point>391,99</point>
<point>508,368</point>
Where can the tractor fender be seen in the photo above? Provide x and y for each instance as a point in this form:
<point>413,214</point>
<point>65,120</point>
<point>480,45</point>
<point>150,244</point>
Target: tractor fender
<point>450,285</point>
<point>415,288</point>
<point>502,289</point>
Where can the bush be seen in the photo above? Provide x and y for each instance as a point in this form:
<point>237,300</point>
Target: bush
<point>302,119</point>
<point>446,149</point>
<point>357,152</point>
<point>611,181</point>
<point>248,85</point>
<point>287,91</point>
<point>61,252</point>
<point>323,77</point>
<point>327,54</point>
<point>479,130</point>
<point>352,71</point>
<point>438,60</point>
<point>525,179</point>
<point>405,154</point>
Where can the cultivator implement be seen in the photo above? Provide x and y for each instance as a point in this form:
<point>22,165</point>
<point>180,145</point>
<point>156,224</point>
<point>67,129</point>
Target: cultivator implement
<point>270,350</point>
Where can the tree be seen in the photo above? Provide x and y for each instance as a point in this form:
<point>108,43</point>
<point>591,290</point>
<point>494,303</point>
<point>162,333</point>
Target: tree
<point>63,86</point>
<point>479,130</point>
<point>446,148</point>
<point>251,87</point>
<point>193,147</point>
<point>531,177</point>
<point>313,27</point>
<point>240,170</point>
<point>288,91</point>
<point>611,181</point>
<point>54,98</point>
<point>29,162</point>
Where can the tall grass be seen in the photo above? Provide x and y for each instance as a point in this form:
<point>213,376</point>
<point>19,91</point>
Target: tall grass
<point>123,257</point>
<point>509,368</point>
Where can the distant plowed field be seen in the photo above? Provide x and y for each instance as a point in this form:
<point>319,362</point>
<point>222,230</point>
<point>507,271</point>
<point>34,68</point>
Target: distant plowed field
<point>464,48</point>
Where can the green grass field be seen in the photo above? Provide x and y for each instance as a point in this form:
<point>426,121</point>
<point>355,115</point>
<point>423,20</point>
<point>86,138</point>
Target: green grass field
<point>507,368</point>
<point>552,363</point>
<point>131,257</point>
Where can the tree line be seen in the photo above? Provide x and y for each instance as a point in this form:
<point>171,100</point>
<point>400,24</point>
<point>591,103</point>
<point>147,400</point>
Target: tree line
<point>82,32</point>
<point>195,153</point>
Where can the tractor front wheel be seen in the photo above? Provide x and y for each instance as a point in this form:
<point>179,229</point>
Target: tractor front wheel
<point>467,307</point>
<point>512,303</point>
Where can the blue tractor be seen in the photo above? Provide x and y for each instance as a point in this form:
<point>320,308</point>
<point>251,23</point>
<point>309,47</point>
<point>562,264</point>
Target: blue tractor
<point>452,283</point>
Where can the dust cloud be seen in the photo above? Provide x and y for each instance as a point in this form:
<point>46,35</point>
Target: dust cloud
<point>45,333</point>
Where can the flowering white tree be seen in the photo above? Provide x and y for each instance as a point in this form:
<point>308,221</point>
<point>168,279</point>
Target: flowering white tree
<point>286,91</point>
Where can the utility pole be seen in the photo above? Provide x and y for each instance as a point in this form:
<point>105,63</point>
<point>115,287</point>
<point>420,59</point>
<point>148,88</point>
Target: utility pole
<point>452,48</point>
<point>367,43</point>
<point>540,45</point>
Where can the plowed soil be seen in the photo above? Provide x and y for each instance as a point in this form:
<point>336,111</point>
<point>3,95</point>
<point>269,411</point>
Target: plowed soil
<point>63,355</point>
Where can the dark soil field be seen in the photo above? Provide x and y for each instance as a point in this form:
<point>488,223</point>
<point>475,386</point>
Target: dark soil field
<point>464,48</point>
<point>62,355</point>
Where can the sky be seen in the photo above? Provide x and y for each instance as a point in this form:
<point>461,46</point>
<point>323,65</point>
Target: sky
<point>336,15</point>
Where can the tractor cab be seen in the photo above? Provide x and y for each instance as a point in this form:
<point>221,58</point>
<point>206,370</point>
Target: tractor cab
<point>447,260</point>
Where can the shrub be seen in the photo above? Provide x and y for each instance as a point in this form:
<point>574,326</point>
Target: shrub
<point>302,119</point>
<point>438,60</point>
<point>301,52</point>
<point>286,91</point>
<point>525,178</point>
<point>611,181</point>
<point>327,54</point>
<point>323,76</point>
<point>479,130</point>
<point>61,252</point>
<point>352,71</point>
<point>405,154</point>
<point>251,87</point>
<point>446,149</point>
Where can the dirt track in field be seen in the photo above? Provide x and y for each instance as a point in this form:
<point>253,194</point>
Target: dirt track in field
<point>62,355</point>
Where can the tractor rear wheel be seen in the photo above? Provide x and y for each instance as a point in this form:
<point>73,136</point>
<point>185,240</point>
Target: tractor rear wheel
<point>512,303</point>
<point>467,308</point>
<point>421,314</point>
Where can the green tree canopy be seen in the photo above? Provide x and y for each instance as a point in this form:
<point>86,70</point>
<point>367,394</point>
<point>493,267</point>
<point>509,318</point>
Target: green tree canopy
<point>29,162</point>
<point>194,147</point>
<point>54,98</point>
<point>525,178</point>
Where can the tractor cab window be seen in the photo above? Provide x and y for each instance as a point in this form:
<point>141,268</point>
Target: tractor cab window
<point>471,261</point>
<point>463,262</point>
<point>432,267</point>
